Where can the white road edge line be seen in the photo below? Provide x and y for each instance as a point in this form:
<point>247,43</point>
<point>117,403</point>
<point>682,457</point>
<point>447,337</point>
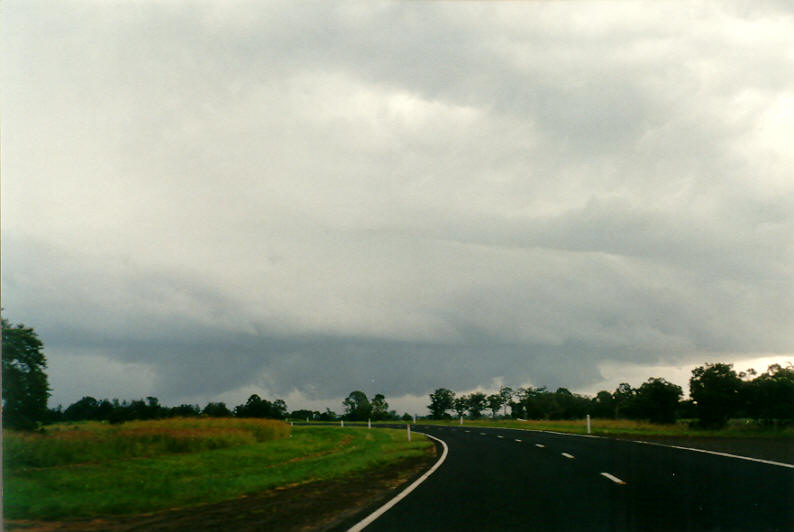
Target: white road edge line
<point>404,493</point>
<point>727,455</point>
<point>614,479</point>
<point>566,455</point>
<point>769,462</point>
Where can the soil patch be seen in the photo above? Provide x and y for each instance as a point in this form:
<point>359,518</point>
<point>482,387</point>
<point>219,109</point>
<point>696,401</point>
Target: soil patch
<point>328,505</point>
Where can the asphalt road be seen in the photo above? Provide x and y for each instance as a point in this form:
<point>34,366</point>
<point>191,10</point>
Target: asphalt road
<point>505,479</point>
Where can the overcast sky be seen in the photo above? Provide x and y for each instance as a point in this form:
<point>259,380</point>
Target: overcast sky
<point>204,200</point>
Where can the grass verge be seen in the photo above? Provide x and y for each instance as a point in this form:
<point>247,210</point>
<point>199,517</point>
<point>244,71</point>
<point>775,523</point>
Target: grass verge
<point>625,427</point>
<point>150,483</point>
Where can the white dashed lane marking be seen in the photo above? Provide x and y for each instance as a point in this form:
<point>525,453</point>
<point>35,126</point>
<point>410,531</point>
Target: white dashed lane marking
<point>614,479</point>
<point>566,455</point>
<point>539,445</point>
<point>519,441</point>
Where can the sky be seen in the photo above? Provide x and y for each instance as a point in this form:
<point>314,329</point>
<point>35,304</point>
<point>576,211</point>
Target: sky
<point>205,200</point>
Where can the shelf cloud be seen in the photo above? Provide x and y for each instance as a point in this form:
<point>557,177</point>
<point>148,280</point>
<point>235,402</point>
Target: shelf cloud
<point>314,198</point>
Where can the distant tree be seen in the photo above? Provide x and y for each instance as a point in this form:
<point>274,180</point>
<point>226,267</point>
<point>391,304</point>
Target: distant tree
<point>460,405</point>
<point>216,410</point>
<point>440,401</point>
<point>380,408</point>
<point>603,405</point>
<point>623,400</point>
<point>506,393</point>
<point>328,415</point>
<point>278,409</point>
<point>770,396</point>
<point>185,410</point>
<point>477,402</point>
<point>407,417</point>
<point>105,410</point>
<point>305,414</point>
<point>255,406</point>
<point>54,415</point>
<point>357,406</point>
<point>86,408</point>
<point>494,402</point>
<point>657,400</point>
<point>716,390</point>
<point>25,389</point>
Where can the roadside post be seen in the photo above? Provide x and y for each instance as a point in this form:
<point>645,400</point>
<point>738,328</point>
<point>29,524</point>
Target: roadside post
<point>342,422</point>
<point>408,427</point>
<point>369,423</point>
<point>461,420</point>
<point>588,423</point>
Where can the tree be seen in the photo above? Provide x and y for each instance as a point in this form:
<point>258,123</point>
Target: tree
<point>460,405</point>
<point>716,392</point>
<point>278,409</point>
<point>770,396</point>
<point>476,401</point>
<point>603,405</point>
<point>328,415</point>
<point>357,406</point>
<point>506,392</point>
<point>623,400</point>
<point>440,401</point>
<point>494,402</point>
<point>25,387</point>
<point>216,410</point>
<point>258,407</point>
<point>185,410</point>
<point>657,400</point>
<point>380,408</point>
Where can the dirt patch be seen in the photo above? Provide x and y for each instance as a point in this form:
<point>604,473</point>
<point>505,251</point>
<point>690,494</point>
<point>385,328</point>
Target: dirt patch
<point>328,505</point>
<point>775,449</point>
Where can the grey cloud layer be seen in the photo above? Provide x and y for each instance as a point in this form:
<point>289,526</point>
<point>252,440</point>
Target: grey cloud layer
<point>311,196</point>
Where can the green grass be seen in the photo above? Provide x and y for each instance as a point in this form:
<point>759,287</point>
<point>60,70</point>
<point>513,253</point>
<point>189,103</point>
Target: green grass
<point>625,427</point>
<point>65,444</point>
<point>166,480</point>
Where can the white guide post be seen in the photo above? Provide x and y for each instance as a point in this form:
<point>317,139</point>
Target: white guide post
<point>369,423</point>
<point>414,418</point>
<point>342,422</point>
<point>461,420</point>
<point>408,426</point>
<point>588,423</point>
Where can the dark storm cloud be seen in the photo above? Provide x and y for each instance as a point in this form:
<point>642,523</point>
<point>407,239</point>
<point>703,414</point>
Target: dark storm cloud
<point>307,197</point>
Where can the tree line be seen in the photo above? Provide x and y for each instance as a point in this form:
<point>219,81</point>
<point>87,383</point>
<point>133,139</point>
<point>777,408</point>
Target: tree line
<point>717,394</point>
<point>115,411</point>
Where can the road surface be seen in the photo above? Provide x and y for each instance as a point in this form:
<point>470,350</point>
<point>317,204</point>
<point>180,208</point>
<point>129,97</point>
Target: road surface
<point>506,479</point>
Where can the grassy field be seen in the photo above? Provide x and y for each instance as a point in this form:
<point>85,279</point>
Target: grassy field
<point>96,469</point>
<point>625,427</point>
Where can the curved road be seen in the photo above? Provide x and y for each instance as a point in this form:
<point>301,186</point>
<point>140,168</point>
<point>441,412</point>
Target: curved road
<point>506,479</point>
